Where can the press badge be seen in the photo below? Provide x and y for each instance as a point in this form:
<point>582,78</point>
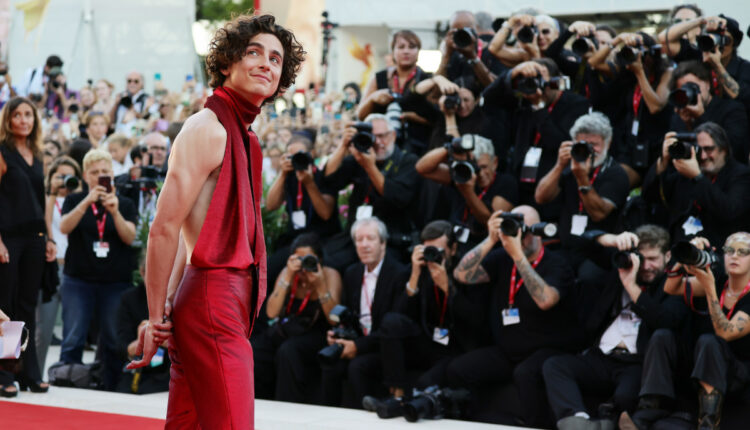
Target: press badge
<point>440,335</point>
<point>462,233</point>
<point>511,316</point>
<point>101,249</point>
<point>578,224</point>
<point>364,211</point>
<point>636,126</point>
<point>531,164</point>
<point>692,226</point>
<point>299,220</point>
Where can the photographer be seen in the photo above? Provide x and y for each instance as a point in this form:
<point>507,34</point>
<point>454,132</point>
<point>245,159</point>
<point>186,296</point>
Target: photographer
<point>35,79</point>
<point>98,263</point>
<point>722,356</point>
<point>530,37</point>
<point>56,96</point>
<point>693,109</point>
<point>542,120</point>
<point>372,288</point>
<point>679,38</point>
<point>626,311</point>
<point>441,319</point>
<point>470,200</point>
<point>529,324</point>
<point>131,104</point>
<point>310,205</point>
<point>705,190</point>
<point>301,302</point>
<point>593,186</point>
<point>385,183</point>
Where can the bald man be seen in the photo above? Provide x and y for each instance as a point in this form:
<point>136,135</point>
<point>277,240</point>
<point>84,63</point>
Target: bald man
<point>529,316</point>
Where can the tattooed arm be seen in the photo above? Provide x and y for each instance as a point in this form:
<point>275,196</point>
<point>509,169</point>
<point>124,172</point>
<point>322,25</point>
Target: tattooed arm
<point>544,295</point>
<point>469,269</point>
<point>726,329</point>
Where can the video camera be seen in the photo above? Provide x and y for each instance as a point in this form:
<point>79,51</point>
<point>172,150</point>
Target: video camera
<point>688,254</point>
<point>513,222</point>
<point>581,151</point>
<point>685,95</point>
<point>435,403</point>
<point>347,328</point>
<point>363,140</point>
<point>529,85</point>
<point>301,160</point>
<point>680,150</point>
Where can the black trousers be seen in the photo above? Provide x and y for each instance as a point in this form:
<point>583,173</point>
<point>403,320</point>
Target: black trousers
<point>20,281</point>
<point>491,366</point>
<point>361,371</point>
<point>660,365</point>
<point>716,365</point>
<point>568,376</point>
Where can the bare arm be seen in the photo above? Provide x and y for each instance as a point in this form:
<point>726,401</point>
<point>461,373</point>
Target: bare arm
<point>367,104</point>
<point>549,186</point>
<point>276,300</point>
<point>544,295</point>
<point>329,294</point>
<point>431,166</point>
<point>469,269</point>
<point>655,99</point>
<point>670,37</point>
<point>726,329</point>
<point>176,276</point>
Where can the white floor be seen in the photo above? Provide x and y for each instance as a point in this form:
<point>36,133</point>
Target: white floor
<point>269,415</point>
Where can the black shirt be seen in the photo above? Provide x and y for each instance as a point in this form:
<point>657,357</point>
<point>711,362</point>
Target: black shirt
<point>553,328</point>
<point>314,223</point>
<point>722,204</point>
<point>477,122</point>
<point>21,195</point>
<point>458,67</point>
<point>80,259</point>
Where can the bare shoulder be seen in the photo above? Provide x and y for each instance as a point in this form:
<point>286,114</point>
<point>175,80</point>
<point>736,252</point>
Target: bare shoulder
<point>332,274</point>
<point>202,138</point>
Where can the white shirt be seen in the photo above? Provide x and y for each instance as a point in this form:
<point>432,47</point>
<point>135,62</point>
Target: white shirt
<point>33,82</point>
<point>368,296</point>
<point>121,168</point>
<point>60,239</point>
<point>624,329</point>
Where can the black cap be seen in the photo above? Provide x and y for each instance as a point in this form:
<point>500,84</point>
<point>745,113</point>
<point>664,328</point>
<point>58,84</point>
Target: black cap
<point>733,27</point>
<point>54,61</point>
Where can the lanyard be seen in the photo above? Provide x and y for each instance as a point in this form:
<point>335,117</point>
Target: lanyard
<point>637,97</point>
<point>291,297</point>
<point>723,293</point>
<point>538,135</point>
<point>396,87</point>
<point>480,47</point>
<point>99,222</point>
<point>479,196</point>
<point>299,191</point>
<point>57,205</point>
<point>515,287</point>
<point>593,178</point>
<point>444,306</point>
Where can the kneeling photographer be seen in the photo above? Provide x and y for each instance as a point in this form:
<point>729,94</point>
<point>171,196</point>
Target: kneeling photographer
<point>530,311</point>
<point>441,320</point>
<point>303,297</point>
<point>467,168</point>
<point>628,307</point>
<point>705,189</point>
<point>385,185</point>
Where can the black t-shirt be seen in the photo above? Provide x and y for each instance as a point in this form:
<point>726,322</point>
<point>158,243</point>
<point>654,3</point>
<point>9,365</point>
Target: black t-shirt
<point>21,195</point>
<point>80,259</point>
<point>504,186</point>
<point>314,223</point>
<point>611,183</point>
<point>553,328</point>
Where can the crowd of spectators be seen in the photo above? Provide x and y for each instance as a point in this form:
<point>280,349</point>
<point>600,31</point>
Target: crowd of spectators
<point>551,228</point>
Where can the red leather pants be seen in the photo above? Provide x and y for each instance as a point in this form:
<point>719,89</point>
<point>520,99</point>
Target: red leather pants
<point>211,384</point>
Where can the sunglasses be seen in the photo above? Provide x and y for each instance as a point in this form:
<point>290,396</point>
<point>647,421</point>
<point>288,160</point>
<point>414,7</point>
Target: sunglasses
<point>546,31</point>
<point>741,252</point>
<point>134,81</point>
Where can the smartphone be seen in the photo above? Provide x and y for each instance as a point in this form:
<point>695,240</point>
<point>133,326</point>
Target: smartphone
<point>106,182</point>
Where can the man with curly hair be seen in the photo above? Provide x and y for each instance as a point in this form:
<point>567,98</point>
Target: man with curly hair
<point>206,262</point>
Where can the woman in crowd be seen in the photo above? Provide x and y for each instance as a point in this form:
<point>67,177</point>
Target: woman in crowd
<point>97,124</point>
<point>302,298</point>
<point>104,101</point>
<point>88,100</point>
<point>25,237</point>
<point>98,263</point>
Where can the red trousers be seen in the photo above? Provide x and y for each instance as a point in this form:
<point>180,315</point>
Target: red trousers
<point>211,384</point>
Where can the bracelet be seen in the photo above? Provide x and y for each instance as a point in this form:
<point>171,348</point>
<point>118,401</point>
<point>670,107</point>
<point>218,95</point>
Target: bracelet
<point>325,298</point>
<point>283,283</point>
<point>410,289</point>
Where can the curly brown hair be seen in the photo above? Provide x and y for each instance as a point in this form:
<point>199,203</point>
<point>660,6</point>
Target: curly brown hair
<point>230,43</point>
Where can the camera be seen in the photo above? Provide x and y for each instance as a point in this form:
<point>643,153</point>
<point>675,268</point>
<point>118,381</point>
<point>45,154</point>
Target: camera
<point>529,85</point>
<point>364,139</point>
<point>460,145</point>
<point>685,95</point>
<point>513,222</point>
<point>707,41</point>
<point>73,108</point>
<point>309,263</point>
<point>621,259</point>
<point>581,151</point>
<point>301,160</point>
<point>628,54</point>
<point>584,44</point>
<point>347,328</point>
<point>686,253</point>
<point>433,254</point>
<point>126,102</point>
<point>71,182</point>
<point>526,33</point>
<point>451,102</point>
<point>463,170</point>
<point>434,403</point>
<point>463,37</point>
<point>680,150</point>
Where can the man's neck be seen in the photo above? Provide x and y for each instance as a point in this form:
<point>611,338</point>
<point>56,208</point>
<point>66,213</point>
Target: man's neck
<point>372,266</point>
<point>532,253</point>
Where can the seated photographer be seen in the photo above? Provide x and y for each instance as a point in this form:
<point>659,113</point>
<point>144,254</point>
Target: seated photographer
<point>302,298</point>
<point>441,321</point>
<point>695,104</point>
<point>385,185</point>
<point>631,304</point>
<point>704,188</point>
<point>396,85</point>
<point>634,99</point>
<point>722,356</point>
<point>469,166</point>
<point>310,205</point>
<point>372,287</point>
<point>542,120</point>
<point>529,324</point>
<point>592,185</point>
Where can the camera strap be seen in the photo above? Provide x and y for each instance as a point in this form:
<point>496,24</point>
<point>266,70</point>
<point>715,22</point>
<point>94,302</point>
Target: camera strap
<point>303,305</point>
<point>724,292</point>
<point>591,182</point>
<point>444,307</point>
<point>695,202</point>
<point>515,287</point>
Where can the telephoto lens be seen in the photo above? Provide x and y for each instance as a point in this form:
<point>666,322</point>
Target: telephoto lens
<point>71,182</point>
<point>433,254</point>
<point>364,139</point>
<point>627,55</point>
<point>462,145</point>
<point>707,42</point>
<point>463,37</point>
<point>686,95</point>
<point>309,263</point>
<point>542,229</point>
<point>526,34</point>
<point>528,85</point>
<point>583,45</point>
<point>686,253</point>
<point>581,151</point>
<point>301,160</point>
<point>462,171</point>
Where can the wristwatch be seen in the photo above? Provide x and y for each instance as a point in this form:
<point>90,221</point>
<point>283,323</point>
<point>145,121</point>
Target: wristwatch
<point>473,61</point>
<point>584,189</point>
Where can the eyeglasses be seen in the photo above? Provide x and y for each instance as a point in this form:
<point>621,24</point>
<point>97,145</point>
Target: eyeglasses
<point>708,149</point>
<point>134,81</point>
<point>741,252</point>
<point>546,31</point>
<point>382,136</point>
<point>157,148</point>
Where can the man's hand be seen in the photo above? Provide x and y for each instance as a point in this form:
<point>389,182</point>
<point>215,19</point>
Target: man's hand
<point>364,159</point>
<point>417,258</point>
<point>581,170</point>
<point>690,113</point>
<point>527,69</point>
<point>493,227</point>
<point>96,194</point>
<point>382,97</point>
<point>468,186</point>
<point>669,139</point>
<point>350,349</point>
<point>3,318</point>
<point>439,275</point>
<point>688,168</point>
<point>628,276</point>
<point>347,135</point>
<point>305,177</point>
<point>714,23</point>
<point>50,252</point>
<point>111,202</point>
<point>286,164</point>
<point>582,28</point>
<point>626,241</point>
<point>563,154</point>
<point>713,58</point>
<point>150,337</point>
<point>512,245</point>
<point>444,85</point>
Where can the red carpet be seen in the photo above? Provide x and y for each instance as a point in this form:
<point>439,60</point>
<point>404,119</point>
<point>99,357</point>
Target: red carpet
<point>20,416</point>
